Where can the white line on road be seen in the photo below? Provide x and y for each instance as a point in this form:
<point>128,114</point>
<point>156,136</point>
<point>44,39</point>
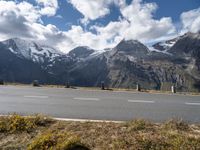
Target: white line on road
<point>76,120</point>
<point>198,104</point>
<point>141,101</point>
<point>43,97</point>
<point>86,99</point>
<point>87,120</point>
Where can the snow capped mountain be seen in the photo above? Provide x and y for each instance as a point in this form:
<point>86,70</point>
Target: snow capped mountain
<point>130,62</point>
<point>31,50</point>
<point>187,46</point>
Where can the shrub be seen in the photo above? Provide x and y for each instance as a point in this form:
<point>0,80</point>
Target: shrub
<point>137,125</point>
<point>72,144</point>
<point>59,141</point>
<point>17,123</point>
<point>151,142</point>
<point>43,142</point>
<point>41,120</point>
<point>176,125</point>
<point>3,125</point>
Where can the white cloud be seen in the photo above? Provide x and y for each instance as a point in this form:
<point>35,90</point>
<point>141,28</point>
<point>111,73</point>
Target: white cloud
<point>94,9</point>
<point>27,10</point>
<point>142,25</point>
<point>23,20</point>
<point>15,19</point>
<point>137,23</point>
<point>191,20</point>
<point>49,7</point>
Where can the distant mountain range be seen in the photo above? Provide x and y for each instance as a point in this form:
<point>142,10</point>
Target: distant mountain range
<point>172,62</point>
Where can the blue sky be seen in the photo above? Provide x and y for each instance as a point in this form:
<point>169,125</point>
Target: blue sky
<point>71,16</point>
<point>166,8</point>
<point>97,23</point>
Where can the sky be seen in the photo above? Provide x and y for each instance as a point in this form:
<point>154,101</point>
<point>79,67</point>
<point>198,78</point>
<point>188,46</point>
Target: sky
<point>99,24</point>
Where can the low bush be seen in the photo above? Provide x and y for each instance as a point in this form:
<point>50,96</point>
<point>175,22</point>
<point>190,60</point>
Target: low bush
<point>137,125</point>
<point>181,141</point>
<point>17,123</point>
<point>151,142</point>
<point>175,124</point>
<point>58,141</point>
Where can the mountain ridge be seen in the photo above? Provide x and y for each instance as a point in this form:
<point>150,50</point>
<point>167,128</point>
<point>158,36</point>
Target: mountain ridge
<point>130,62</point>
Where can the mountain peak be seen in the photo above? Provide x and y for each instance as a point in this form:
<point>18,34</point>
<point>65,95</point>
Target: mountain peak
<point>81,52</point>
<point>187,45</point>
<point>132,47</point>
<point>128,42</point>
<point>192,35</point>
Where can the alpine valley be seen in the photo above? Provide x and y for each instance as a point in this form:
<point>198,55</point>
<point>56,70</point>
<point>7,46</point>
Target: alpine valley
<point>172,62</point>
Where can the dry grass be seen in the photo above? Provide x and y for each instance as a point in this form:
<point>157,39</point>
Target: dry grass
<point>37,132</point>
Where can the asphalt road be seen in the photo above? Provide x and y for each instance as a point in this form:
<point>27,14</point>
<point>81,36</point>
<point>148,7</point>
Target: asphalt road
<point>98,105</point>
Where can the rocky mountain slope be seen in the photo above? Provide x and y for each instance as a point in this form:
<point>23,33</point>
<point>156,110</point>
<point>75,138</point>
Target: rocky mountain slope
<point>174,62</point>
<point>19,69</point>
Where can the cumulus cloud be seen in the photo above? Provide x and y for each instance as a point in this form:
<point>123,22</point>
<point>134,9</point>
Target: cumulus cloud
<point>142,25</point>
<point>138,23</point>
<point>15,19</point>
<point>28,11</point>
<point>49,7</point>
<point>94,9</point>
<point>191,20</point>
<point>24,20</point>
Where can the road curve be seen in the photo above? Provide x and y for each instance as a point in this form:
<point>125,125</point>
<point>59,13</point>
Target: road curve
<point>98,105</point>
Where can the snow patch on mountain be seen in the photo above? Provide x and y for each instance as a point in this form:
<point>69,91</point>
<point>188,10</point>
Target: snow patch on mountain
<point>164,45</point>
<point>152,49</point>
<point>31,50</point>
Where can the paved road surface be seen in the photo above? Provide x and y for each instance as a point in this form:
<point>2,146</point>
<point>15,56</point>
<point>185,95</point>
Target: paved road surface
<point>98,105</point>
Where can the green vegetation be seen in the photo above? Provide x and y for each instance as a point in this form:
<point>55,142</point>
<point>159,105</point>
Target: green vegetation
<point>176,125</point>
<point>38,132</point>
<point>56,140</point>
<point>138,124</point>
<point>17,123</point>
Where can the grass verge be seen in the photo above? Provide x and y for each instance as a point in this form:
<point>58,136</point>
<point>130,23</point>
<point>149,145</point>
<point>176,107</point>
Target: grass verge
<point>39,132</point>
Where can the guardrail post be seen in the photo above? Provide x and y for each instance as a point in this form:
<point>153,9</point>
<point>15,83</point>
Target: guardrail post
<point>1,82</point>
<point>67,85</point>
<point>102,85</point>
<point>173,89</point>
<point>138,87</point>
<point>36,83</point>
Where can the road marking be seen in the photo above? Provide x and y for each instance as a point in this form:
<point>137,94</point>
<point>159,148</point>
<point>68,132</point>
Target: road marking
<point>86,99</point>
<point>141,101</point>
<point>88,120</point>
<point>43,97</point>
<point>198,104</point>
<point>75,120</point>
